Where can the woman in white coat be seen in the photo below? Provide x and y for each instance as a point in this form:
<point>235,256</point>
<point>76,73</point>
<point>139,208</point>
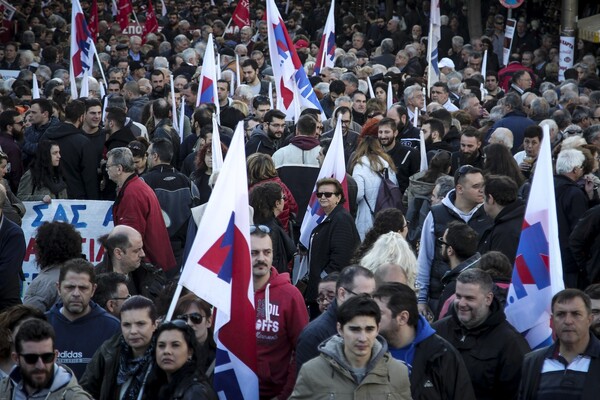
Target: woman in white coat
<point>367,166</point>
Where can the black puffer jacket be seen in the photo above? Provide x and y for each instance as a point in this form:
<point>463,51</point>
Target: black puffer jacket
<point>504,235</point>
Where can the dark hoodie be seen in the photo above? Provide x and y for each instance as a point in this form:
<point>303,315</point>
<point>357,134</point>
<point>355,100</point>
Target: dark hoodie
<point>504,235</point>
<point>277,332</point>
<point>407,353</point>
<point>78,160</point>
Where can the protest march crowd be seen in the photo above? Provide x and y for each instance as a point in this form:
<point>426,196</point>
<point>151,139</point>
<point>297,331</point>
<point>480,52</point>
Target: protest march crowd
<point>424,217</point>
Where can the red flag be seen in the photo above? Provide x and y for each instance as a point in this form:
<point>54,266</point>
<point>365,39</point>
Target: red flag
<point>151,24</point>
<point>125,9</point>
<point>241,15</point>
<point>93,22</point>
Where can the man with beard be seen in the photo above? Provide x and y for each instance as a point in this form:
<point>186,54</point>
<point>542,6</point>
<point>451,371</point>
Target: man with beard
<point>11,132</point>
<point>280,317</point>
<point>268,139</point>
<point>433,131</point>
<point>40,113</point>
<point>229,116</point>
<point>594,292</point>
<point>81,325</point>
<point>409,135</point>
<point>349,137</point>
<point>406,159</point>
<point>437,370</point>
<point>470,150</point>
<point>37,375</point>
<point>159,87</point>
<point>250,77</point>
<point>464,204</point>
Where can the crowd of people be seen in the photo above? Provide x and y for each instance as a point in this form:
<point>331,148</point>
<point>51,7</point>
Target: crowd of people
<point>404,302</point>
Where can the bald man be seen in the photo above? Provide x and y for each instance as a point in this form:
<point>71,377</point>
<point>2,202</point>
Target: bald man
<point>124,254</point>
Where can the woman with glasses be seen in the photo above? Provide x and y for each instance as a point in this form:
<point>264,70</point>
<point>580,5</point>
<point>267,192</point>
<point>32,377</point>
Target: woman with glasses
<point>369,163</point>
<point>44,180</point>
<point>178,372</point>
<point>261,168</point>
<point>267,200</point>
<point>333,241</point>
<point>198,315</point>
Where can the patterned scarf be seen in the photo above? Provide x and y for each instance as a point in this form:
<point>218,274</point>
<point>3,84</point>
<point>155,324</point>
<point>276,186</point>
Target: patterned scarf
<point>134,368</point>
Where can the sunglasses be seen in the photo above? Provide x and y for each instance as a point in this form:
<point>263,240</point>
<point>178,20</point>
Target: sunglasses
<point>326,194</point>
<point>47,358</point>
<point>261,228</point>
<point>194,318</point>
<point>441,241</point>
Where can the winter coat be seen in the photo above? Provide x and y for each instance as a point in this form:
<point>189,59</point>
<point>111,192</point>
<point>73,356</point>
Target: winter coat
<point>100,376</point>
<point>571,204</point>
<point>12,252</point>
<point>28,193</point>
<point>417,200</point>
<point>64,387</point>
<point>407,161</point>
<point>368,181</point>
<point>449,280</point>
<point>260,142</point>
<point>505,234</point>
<point>42,293</point>
<point>330,376</point>
<point>516,121</point>
<point>437,370</point>
<point>302,150</point>
<point>280,317</point>
<point>289,206</point>
<point>137,206</point>
<point>78,160</point>
<point>33,134</point>
<point>318,330</point>
<point>585,243</point>
<point>332,244</point>
<point>493,352</point>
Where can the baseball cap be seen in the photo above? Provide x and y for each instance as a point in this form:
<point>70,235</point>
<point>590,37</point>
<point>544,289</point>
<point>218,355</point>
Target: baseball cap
<point>446,62</point>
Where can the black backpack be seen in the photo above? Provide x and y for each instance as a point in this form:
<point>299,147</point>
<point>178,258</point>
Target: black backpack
<point>389,195</point>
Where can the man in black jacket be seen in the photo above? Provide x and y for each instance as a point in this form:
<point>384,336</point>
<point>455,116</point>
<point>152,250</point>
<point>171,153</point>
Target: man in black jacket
<point>491,348</point>
<point>406,159</point>
<point>569,368</point>
<point>502,204</point>
<point>78,158</point>
<point>438,371</point>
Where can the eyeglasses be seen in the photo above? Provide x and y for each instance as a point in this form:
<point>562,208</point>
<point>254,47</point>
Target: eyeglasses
<point>260,228</point>
<point>121,298</point>
<point>441,241</point>
<point>276,126</point>
<point>357,294</point>
<point>326,194</point>
<point>323,299</point>
<point>47,358</point>
<point>194,318</point>
<point>178,323</point>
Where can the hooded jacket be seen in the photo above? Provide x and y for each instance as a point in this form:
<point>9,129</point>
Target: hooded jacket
<point>437,371</point>
<point>64,387</point>
<point>330,376</point>
<point>417,199</point>
<point>78,160</point>
<point>493,352</point>
<point>280,317</point>
<point>261,142</point>
<point>504,235</point>
<point>302,150</point>
<point>33,135</point>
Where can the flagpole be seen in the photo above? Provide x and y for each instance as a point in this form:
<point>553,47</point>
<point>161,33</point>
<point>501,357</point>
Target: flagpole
<point>429,44</point>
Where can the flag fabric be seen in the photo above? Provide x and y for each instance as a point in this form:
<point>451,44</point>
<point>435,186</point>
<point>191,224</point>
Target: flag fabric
<point>435,35</point>
<point>151,24</point>
<point>124,10</point>
<point>390,95</point>
<point>207,89</point>
<point>163,8</point>
<point>217,152</point>
<point>85,85</point>
<point>537,273</point>
<point>173,104</point>
<point>82,48</point>
<point>219,270</point>
<point>93,25</point>
<point>334,166</point>
<point>370,86</point>
<point>35,91</point>
<point>327,49</point>
<point>241,14</point>
<point>287,68</point>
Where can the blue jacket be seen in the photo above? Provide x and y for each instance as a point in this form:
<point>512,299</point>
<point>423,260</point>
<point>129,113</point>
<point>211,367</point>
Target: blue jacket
<point>516,121</point>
